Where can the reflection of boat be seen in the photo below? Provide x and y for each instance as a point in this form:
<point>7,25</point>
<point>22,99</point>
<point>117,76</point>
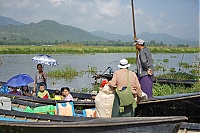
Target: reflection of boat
<point>12,121</point>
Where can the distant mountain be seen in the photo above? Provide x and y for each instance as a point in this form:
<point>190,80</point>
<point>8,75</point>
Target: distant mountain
<point>47,30</point>
<point>166,38</point>
<point>111,36</point>
<point>7,21</point>
<point>158,37</point>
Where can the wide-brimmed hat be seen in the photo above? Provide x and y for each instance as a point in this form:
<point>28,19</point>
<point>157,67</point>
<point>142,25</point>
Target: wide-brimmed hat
<point>124,63</point>
<point>140,42</point>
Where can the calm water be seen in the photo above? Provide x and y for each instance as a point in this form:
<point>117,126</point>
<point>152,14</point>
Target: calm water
<point>21,63</point>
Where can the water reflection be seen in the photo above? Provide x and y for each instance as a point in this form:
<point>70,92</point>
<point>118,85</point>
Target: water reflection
<point>21,63</point>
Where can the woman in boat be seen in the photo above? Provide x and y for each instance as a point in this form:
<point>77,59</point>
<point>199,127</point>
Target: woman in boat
<point>65,94</point>
<point>40,77</point>
<point>144,67</point>
<point>25,91</point>
<point>14,91</point>
<point>104,100</point>
<point>42,92</point>
<point>127,87</point>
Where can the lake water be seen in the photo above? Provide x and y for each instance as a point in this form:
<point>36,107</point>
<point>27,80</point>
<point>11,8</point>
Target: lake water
<point>21,63</point>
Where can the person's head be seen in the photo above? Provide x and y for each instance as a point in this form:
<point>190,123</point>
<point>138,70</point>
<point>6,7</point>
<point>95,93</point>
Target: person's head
<point>14,89</point>
<point>41,87</point>
<point>65,91</point>
<point>139,44</point>
<point>124,64</point>
<point>39,67</point>
<point>57,92</point>
<point>25,88</point>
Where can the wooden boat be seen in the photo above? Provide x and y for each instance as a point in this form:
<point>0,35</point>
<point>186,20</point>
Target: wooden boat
<point>173,105</point>
<point>11,121</point>
<point>181,104</point>
<point>30,100</point>
<point>77,96</point>
<point>187,83</point>
<point>189,128</point>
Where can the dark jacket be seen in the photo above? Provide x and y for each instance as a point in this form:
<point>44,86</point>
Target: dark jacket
<point>144,62</point>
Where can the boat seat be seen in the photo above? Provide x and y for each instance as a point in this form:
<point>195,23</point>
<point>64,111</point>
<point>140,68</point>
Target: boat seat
<point>89,112</point>
<point>66,109</point>
<point>17,109</point>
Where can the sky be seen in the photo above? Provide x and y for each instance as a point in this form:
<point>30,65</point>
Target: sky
<point>179,18</point>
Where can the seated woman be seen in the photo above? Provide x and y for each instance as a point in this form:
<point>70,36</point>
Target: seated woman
<point>104,100</point>
<point>65,94</point>
<point>25,91</point>
<point>57,95</point>
<point>14,91</point>
<point>42,92</point>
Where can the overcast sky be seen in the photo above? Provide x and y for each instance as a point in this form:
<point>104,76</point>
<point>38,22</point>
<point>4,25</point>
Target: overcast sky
<point>179,18</point>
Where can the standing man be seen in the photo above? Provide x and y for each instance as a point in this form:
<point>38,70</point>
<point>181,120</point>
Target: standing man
<point>144,67</point>
<point>127,87</point>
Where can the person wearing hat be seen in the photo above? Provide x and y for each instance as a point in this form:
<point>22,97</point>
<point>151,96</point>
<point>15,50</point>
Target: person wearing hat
<point>144,67</point>
<point>125,81</point>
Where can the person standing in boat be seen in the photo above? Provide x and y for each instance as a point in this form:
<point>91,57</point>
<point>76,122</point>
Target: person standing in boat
<point>144,67</point>
<point>127,87</point>
<point>40,77</point>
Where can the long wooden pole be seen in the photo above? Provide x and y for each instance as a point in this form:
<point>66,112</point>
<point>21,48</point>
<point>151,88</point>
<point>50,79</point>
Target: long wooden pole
<point>134,28</point>
<point>133,17</point>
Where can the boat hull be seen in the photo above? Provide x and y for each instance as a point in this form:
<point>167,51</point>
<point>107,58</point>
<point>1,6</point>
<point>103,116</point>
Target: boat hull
<point>100,125</point>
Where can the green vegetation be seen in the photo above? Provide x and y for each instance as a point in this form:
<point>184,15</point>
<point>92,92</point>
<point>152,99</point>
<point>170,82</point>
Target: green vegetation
<point>165,60</point>
<point>81,49</point>
<point>162,90</point>
<point>178,76</point>
<point>69,73</point>
<point>131,60</point>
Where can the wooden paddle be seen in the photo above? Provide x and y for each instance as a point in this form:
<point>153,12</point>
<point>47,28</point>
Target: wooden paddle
<point>134,28</point>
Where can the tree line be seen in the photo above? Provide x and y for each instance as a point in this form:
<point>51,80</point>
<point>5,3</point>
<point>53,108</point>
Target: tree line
<point>26,41</point>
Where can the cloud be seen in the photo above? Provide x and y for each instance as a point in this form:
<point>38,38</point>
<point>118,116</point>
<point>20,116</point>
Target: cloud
<point>110,9</point>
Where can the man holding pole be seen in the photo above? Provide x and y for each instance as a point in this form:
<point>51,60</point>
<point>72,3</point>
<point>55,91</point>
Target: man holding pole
<point>144,67</point>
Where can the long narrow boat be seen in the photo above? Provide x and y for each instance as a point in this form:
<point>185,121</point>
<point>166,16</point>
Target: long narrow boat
<point>181,104</point>
<point>173,105</point>
<point>12,121</point>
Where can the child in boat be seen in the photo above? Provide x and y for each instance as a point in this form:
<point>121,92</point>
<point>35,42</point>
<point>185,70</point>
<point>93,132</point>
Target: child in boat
<point>65,94</point>
<point>57,95</point>
<point>42,92</point>
<point>14,91</point>
<point>25,91</point>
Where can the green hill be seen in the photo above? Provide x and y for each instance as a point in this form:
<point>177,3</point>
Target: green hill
<point>46,30</point>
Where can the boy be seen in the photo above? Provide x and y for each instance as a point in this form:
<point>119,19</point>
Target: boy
<point>42,92</point>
